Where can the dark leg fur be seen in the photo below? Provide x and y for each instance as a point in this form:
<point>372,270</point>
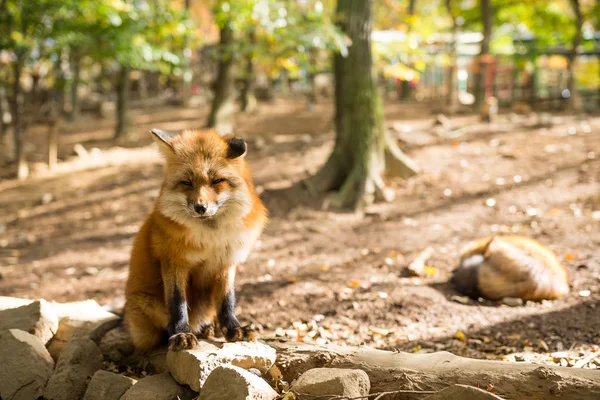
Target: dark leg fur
<point>465,278</point>
<point>230,325</point>
<point>178,328</point>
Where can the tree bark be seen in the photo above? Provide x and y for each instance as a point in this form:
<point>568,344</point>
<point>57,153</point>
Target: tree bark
<point>481,75</point>
<point>391,371</point>
<point>356,165</point>
<point>247,99</point>
<point>187,66</point>
<point>572,57</point>
<point>122,101</point>
<point>221,112</point>
<point>452,95</point>
<point>16,105</point>
<point>76,70</point>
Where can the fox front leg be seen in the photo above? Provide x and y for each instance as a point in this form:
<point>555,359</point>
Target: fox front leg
<point>180,337</point>
<point>230,325</point>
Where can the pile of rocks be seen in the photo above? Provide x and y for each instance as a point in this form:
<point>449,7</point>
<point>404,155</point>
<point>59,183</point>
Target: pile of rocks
<point>81,351</point>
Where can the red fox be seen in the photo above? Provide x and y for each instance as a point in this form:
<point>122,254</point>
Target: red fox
<point>204,223</point>
<point>510,266</point>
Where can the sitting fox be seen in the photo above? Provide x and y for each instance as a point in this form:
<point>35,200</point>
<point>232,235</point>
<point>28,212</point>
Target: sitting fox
<point>204,223</point>
<point>510,266</point>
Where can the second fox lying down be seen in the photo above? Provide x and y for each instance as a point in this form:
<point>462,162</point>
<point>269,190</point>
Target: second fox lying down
<point>204,223</point>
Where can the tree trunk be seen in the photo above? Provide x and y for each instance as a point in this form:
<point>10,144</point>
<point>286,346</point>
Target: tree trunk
<point>122,100</point>
<point>357,163</point>
<point>481,75</point>
<point>405,89</point>
<point>574,103</point>
<point>247,99</point>
<point>414,373</point>
<point>52,144</point>
<point>221,112</point>
<point>188,73</point>
<point>452,99</point>
<point>76,70</point>
<point>16,104</point>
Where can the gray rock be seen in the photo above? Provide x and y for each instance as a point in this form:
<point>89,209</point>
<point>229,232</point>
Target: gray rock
<point>37,318</point>
<point>461,392</point>
<point>26,365</point>
<point>334,382</point>
<point>192,367</point>
<point>158,387</point>
<point>512,301</point>
<point>228,382</point>
<point>117,345</point>
<point>7,302</point>
<point>78,362</point>
<point>108,386</point>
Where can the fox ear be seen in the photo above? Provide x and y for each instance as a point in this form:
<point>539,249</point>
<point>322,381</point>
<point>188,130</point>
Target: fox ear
<point>164,139</point>
<point>235,148</point>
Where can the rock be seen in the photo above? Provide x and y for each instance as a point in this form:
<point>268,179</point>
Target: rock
<point>192,367</point>
<point>78,362</point>
<point>117,345</point>
<point>13,302</point>
<point>158,387</point>
<point>512,301</point>
<point>228,382</point>
<point>461,392</point>
<point>37,318</point>
<point>108,386</point>
<point>80,319</point>
<point>333,382</point>
<point>26,365</point>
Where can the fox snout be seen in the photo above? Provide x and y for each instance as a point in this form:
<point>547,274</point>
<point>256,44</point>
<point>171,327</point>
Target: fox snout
<point>205,209</point>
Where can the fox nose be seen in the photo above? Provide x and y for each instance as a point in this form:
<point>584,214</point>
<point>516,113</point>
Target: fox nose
<point>200,208</point>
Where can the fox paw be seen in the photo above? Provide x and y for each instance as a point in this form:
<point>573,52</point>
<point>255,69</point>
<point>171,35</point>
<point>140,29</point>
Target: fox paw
<point>182,341</point>
<point>206,332</point>
<point>240,333</point>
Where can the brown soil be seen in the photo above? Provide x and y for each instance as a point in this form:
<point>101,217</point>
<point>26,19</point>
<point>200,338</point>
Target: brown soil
<point>337,277</point>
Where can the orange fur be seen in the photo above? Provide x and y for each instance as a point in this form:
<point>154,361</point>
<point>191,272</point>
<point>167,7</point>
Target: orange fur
<point>513,266</point>
<point>175,247</point>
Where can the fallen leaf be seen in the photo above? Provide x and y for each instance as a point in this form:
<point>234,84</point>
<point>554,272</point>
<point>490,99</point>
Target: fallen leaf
<point>429,270</point>
<point>415,349</point>
<point>569,257</point>
<point>324,268</point>
<point>460,336</point>
<point>292,279</point>
<point>354,284</point>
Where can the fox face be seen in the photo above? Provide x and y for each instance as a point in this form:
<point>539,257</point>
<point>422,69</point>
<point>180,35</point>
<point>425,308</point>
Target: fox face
<point>205,177</point>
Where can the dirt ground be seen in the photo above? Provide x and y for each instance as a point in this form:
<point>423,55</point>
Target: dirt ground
<point>322,276</point>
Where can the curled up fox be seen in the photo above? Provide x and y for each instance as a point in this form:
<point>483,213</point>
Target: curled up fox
<point>203,225</point>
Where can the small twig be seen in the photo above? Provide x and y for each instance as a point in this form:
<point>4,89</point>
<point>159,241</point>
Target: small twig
<point>418,264</point>
<point>584,361</point>
<point>368,396</point>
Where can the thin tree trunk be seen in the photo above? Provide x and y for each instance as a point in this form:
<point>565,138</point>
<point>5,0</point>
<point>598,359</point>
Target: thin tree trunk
<point>16,104</point>
<point>357,163</point>
<point>572,58</point>
<point>76,70</point>
<point>247,99</point>
<point>122,100</point>
<point>188,73</point>
<point>405,87</point>
<point>452,99</point>
<point>481,75</point>
<point>221,112</point>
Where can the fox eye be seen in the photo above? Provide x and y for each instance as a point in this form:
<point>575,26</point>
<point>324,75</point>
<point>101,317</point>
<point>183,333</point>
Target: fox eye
<point>186,183</point>
<point>217,181</point>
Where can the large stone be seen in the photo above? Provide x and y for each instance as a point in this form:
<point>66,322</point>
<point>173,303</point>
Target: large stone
<point>116,345</point>
<point>7,302</point>
<point>25,366</point>
<point>108,386</point>
<point>192,367</point>
<point>37,318</point>
<point>78,362</point>
<point>461,392</point>
<point>158,387</point>
<point>80,319</point>
<point>228,382</point>
<point>333,382</point>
